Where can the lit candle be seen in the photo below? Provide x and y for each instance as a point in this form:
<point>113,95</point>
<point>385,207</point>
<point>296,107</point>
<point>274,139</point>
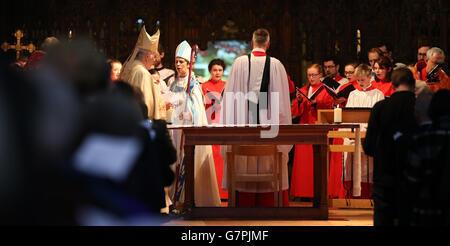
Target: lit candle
<point>337,115</point>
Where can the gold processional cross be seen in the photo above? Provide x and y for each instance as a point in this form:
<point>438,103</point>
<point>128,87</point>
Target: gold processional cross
<point>18,46</point>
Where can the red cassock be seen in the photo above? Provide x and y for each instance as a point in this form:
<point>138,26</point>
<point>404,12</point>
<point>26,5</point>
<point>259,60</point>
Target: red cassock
<point>302,181</point>
<point>216,87</point>
<point>444,81</point>
<point>335,186</point>
<point>291,85</point>
<point>384,86</point>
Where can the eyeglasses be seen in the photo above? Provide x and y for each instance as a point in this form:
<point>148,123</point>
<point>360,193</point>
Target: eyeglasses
<point>313,75</point>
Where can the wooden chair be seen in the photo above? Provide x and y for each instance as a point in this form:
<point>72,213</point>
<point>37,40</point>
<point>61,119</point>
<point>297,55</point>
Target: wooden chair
<point>248,151</point>
<point>345,134</point>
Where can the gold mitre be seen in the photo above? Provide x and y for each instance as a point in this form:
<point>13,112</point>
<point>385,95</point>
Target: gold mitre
<point>147,42</point>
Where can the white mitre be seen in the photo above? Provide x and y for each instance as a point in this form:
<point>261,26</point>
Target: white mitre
<point>184,51</point>
<point>144,42</point>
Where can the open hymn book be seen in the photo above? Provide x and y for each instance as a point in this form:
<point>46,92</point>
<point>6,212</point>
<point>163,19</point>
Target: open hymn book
<point>333,88</point>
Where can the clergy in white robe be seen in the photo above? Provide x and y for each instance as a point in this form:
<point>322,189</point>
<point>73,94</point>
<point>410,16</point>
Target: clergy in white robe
<point>135,72</point>
<point>365,96</point>
<point>140,78</point>
<point>235,111</point>
<point>188,109</point>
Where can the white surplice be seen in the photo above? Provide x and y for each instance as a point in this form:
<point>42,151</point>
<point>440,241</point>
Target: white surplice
<point>238,82</point>
<point>362,172</point>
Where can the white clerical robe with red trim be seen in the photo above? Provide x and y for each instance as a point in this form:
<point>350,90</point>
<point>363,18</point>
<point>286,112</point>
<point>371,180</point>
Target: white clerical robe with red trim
<point>278,111</point>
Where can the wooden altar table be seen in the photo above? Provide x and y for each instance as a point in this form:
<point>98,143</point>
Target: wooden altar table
<point>315,135</point>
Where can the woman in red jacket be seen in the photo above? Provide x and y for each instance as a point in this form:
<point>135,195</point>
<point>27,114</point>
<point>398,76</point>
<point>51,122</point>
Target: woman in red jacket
<point>302,181</point>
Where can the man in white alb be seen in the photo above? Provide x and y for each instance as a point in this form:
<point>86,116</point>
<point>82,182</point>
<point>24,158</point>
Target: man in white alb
<point>263,79</point>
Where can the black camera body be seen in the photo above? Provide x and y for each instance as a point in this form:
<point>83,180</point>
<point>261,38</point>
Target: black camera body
<point>433,75</point>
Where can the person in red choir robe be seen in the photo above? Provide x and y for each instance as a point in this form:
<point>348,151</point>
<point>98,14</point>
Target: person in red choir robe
<point>302,181</point>
<point>291,85</point>
<point>331,66</point>
<point>349,71</point>
<point>212,90</point>
<point>335,186</point>
<point>440,80</point>
<point>383,69</point>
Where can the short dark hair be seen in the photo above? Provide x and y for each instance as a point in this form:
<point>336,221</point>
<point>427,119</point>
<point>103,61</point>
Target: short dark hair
<point>387,44</point>
<point>403,76</point>
<point>218,62</point>
<point>261,37</point>
<point>375,50</point>
<point>161,48</point>
<point>331,58</point>
<point>439,105</point>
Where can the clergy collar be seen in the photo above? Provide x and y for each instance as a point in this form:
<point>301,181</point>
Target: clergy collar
<point>159,69</point>
<point>258,52</point>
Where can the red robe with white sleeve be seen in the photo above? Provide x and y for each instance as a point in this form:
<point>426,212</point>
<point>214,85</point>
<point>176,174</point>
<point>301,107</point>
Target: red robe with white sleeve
<point>302,181</point>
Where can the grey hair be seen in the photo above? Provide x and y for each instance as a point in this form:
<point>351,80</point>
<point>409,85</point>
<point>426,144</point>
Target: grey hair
<point>141,54</point>
<point>436,51</point>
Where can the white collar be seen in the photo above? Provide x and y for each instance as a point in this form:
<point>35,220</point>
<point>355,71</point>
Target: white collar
<point>259,49</point>
<point>368,87</point>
